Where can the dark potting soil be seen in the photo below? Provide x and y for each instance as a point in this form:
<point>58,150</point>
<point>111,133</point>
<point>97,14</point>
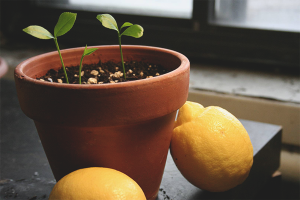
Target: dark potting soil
<point>108,72</point>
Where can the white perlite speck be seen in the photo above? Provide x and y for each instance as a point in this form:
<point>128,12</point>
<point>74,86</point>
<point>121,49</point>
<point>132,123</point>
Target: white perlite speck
<point>101,70</point>
<point>59,81</point>
<point>82,73</point>
<point>118,74</point>
<point>92,81</point>
<point>94,72</point>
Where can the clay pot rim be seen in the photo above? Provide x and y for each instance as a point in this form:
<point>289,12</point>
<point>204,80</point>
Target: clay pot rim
<point>181,68</point>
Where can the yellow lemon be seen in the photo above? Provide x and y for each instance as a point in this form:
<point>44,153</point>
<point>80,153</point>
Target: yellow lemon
<point>211,148</point>
<point>97,183</point>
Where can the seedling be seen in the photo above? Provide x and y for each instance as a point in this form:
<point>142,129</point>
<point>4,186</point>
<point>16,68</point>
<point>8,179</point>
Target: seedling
<point>133,30</point>
<point>86,52</point>
<point>65,23</point>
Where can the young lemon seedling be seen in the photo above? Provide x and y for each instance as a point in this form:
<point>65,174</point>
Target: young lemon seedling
<point>133,30</point>
<point>86,52</point>
<point>65,23</point>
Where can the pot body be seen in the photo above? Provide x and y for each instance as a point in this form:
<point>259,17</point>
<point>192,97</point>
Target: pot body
<point>125,126</point>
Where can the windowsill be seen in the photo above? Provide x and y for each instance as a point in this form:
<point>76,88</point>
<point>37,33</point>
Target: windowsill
<point>252,94</point>
<point>215,78</point>
<point>245,82</point>
<point>222,79</point>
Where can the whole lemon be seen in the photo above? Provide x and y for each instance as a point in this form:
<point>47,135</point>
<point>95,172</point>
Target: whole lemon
<point>97,183</point>
<point>211,148</point>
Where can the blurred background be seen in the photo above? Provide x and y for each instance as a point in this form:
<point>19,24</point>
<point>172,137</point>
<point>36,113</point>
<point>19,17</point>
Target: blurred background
<point>244,53</point>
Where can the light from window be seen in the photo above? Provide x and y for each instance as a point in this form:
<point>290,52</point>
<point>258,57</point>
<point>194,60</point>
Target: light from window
<point>282,15</point>
<point>159,8</point>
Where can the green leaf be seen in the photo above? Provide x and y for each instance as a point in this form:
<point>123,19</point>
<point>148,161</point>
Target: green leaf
<point>108,21</point>
<point>39,32</point>
<point>84,50</point>
<point>134,31</point>
<point>65,23</point>
<point>126,24</point>
<point>90,51</point>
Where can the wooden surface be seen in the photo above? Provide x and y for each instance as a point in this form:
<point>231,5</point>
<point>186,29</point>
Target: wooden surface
<point>26,174</point>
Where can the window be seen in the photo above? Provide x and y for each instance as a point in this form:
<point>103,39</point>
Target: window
<point>276,15</point>
<point>254,32</point>
<point>158,8</point>
<point>262,31</point>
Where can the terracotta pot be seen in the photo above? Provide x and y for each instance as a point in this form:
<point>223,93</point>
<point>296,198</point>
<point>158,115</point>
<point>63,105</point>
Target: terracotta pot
<point>125,126</point>
<point>3,67</point>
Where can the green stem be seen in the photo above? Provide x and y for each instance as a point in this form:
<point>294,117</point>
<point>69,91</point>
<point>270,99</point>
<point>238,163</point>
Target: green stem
<point>62,62</point>
<point>122,56</point>
<point>80,66</point>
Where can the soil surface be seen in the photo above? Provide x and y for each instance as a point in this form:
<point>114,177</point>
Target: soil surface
<point>102,73</point>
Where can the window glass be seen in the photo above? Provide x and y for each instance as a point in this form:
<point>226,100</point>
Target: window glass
<point>159,8</point>
<point>282,15</point>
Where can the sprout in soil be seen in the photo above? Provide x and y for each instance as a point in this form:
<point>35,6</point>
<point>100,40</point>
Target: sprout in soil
<point>86,52</point>
<point>134,30</point>
<point>65,23</point>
